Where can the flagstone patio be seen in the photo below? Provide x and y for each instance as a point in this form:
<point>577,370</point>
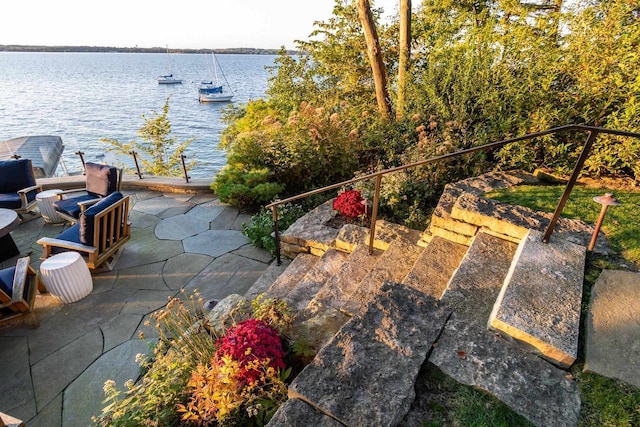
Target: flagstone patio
<point>53,375</point>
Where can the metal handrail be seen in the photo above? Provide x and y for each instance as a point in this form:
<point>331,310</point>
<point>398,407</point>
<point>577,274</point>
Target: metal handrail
<point>593,132</point>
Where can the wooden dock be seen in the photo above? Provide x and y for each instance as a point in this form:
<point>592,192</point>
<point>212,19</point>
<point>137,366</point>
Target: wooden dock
<point>44,151</point>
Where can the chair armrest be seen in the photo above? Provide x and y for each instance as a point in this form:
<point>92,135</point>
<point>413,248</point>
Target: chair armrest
<point>20,279</point>
<point>29,189</point>
<point>61,195</point>
<point>87,203</point>
<point>23,194</point>
<point>49,241</point>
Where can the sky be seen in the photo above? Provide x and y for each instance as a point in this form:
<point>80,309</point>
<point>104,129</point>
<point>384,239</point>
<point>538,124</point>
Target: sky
<point>194,24</point>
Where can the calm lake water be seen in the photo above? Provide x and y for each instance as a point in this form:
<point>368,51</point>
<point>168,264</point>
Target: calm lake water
<point>83,97</point>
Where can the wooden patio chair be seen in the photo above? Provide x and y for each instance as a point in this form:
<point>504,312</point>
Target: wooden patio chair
<point>102,231</point>
<point>18,293</point>
<point>18,188</point>
<point>101,180</point>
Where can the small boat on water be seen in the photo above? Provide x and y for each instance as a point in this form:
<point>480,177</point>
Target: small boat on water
<point>169,79</point>
<point>44,151</point>
<point>208,92</point>
<point>212,90</point>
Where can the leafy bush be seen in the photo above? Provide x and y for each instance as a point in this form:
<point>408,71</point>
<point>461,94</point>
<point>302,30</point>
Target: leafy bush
<point>202,373</point>
<point>261,226</point>
<point>246,190</point>
<point>292,151</point>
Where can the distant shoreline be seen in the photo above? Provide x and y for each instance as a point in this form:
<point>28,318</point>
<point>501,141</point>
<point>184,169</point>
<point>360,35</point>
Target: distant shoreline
<point>235,50</point>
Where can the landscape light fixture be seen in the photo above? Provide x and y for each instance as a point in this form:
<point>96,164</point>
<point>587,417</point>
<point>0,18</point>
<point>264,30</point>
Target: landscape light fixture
<point>606,200</point>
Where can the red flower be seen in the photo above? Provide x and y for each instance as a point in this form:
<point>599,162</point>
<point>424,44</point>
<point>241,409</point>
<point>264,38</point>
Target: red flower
<point>349,204</point>
<point>252,340</point>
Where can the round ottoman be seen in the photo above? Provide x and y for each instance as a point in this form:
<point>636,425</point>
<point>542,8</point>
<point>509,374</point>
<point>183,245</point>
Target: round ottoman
<point>66,276</point>
<point>45,200</point>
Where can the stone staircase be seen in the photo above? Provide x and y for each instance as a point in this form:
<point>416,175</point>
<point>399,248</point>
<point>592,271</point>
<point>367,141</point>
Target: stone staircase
<point>476,294</point>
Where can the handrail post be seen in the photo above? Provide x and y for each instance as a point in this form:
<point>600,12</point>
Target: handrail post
<point>135,159</point>
<point>374,214</point>
<point>570,184</point>
<point>184,168</point>
<point>276,233</point>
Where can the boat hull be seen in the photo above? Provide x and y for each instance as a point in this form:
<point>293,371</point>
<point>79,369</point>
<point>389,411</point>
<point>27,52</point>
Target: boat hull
<point>215,97</point>
<point>169,82</point>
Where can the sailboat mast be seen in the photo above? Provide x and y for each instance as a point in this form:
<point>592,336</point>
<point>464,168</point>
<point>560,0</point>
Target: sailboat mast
<point>215,68</point>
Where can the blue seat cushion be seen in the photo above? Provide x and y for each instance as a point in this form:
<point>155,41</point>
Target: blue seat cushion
<point>87,219</point>
<point>71,234</point>
<point>16,175</point>
<point>70,206</point>
<point>102,180</point>
<point>10,201</point>
<point>6,280</point>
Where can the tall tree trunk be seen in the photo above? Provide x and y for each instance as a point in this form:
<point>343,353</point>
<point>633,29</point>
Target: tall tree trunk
<point>375,58</point>
<point>405,54</point>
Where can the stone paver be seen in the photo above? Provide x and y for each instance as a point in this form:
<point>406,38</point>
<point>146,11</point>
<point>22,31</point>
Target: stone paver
<point>215,242</point>
<point>208,212</point>
<point>160,205</point>
<point>613,327</point>
<point>83,398</point>
<point>226,275</point>
<point>148,276</point>
<point>16,387</point>
<point>180,269</point>
<point>180,227</point>
<point>145,248</point>
<point>54,373</point>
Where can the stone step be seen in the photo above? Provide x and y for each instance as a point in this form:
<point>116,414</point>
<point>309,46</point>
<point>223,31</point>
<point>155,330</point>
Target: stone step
<point>336,291</point>
<point>513,222</point>
<point>435,266</point>
<point>298,267</point>
<point>392,266</point>
<point>299,297</point>
<point>532,387</point>
<point>365,375</point>
<point>267,279</point>
<point>476,283</point>
<point>445,225</point>
<point>540,301</point>
<point>351,235</point>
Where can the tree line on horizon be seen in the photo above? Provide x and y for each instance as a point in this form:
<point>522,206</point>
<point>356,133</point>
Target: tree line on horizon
<point>233,50</point>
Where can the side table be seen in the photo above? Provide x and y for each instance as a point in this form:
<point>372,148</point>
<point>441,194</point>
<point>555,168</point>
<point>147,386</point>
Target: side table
<point>8,221</point>
<point>45,200</point>
<point>66,276</point>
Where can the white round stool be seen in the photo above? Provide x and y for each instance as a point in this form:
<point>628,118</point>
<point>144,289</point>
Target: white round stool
<point>66,276</point>
<point>45,200</point>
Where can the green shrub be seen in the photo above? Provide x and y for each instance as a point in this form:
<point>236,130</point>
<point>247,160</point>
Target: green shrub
<point>246,190</point>
<point>261,226</point>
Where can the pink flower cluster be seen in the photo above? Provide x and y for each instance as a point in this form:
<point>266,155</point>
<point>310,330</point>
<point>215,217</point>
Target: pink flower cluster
<point>349,204</point>
<point>252,340</point>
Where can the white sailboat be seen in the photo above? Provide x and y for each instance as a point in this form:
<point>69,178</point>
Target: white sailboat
<point>169,79</point>
<point>213,90</point>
